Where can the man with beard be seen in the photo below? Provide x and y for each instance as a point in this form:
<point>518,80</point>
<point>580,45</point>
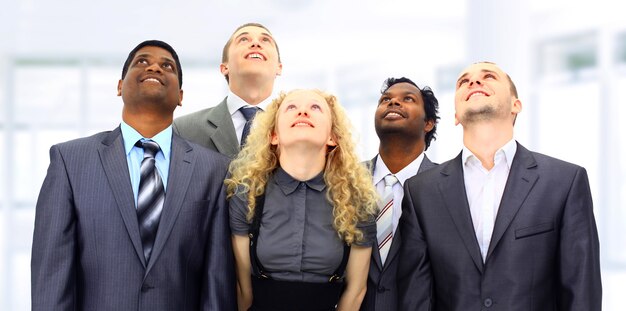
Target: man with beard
<point>498,226</point>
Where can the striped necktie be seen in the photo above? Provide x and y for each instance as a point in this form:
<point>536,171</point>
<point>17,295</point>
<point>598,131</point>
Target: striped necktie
<point>384,226</point>
<point>248,114</point>
<point>150,197</point>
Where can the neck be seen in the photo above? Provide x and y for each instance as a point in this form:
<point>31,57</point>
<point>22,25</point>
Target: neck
<point>484,139</point>
<point>301,163</point>
<point>147,123</point>
<point>397,153</point>
<point>252,90</point>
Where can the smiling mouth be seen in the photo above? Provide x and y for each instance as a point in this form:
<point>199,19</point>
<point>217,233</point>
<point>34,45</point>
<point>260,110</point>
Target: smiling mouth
<point>475,94</point>
<point>255,56</point>
<point>302,124</point>
<point>152,80</point>
<point>393,115</point>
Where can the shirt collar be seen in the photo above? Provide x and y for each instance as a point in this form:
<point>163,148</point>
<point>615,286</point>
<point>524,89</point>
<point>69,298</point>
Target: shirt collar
<point>508,150</point>
<point>234,102</point>
<point>289,184</point>
<point>381,170</point>
<point>131,136</point>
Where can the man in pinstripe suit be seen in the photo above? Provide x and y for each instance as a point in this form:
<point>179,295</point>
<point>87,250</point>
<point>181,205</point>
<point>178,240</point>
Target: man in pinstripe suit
<point>89,246</point>
<point>405,122</point>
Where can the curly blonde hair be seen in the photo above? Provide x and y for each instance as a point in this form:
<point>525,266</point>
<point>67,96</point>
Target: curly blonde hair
<point>349,183</point>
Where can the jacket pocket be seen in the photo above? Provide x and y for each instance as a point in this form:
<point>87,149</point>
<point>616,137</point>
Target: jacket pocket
<point>534,230</point>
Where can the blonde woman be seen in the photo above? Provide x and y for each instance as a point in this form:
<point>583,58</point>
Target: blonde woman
<point>302,209</point>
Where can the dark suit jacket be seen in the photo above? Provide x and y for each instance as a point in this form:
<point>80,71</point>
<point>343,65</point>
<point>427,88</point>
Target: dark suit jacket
<point>382,292</point>
<point>87,252</point>
<point>543,255</point>
<point>212,128</point>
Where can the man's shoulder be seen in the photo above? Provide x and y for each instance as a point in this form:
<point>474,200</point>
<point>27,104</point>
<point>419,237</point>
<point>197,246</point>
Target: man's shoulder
<point>84,142</point>
<point>545,162</point>
<point>201,115</point>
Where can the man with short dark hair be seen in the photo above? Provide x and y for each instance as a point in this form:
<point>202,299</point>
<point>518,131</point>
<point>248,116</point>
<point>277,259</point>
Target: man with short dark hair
<point>250,64</point>
<point>135,218</point>
<point>498,227</point>
<point>406,123</point>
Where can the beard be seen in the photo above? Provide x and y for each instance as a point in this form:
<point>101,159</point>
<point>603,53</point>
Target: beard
<point>484,113</point>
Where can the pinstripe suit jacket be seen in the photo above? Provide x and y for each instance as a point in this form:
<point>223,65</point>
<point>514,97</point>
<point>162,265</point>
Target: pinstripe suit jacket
<point>382,293</point>
<point>87,252</point>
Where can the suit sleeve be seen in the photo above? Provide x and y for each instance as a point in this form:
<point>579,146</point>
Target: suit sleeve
<point>414,274</point>
<point>53,263</point>
<point>219,289</point>
<point>579,262</point>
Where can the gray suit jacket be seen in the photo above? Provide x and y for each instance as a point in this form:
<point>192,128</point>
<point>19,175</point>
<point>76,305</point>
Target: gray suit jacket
<point>87,252</point>
<point>211,127</point>
<point>543,255</point>
<point>382,292</point>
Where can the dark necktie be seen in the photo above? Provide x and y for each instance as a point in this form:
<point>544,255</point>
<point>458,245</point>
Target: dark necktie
<point>150,197</point>
<point>248,114</point>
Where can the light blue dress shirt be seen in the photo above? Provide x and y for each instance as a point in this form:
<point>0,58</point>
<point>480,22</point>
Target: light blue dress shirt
<point>134,155</point>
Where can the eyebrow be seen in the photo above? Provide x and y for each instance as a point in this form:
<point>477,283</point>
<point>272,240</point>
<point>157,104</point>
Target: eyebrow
<point>482,71</point>
<point>148,55</point>
<point>247,33</point>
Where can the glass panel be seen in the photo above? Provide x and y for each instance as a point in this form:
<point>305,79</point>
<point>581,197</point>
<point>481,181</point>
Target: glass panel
<point>104,107</point>
<point>570,57</point>
<point>203,87</point>
<point>31,160</point>
<point>47,95</point>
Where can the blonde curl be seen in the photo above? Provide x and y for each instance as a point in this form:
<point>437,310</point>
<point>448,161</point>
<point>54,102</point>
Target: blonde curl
<point>349,183</point>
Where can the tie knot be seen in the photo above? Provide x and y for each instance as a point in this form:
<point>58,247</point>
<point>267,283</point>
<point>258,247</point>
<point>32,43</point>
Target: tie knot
<point>150,148</point>
<point>390,180</point>
<point>249,112</point>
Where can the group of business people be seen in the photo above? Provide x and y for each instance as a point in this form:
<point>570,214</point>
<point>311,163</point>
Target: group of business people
<point>215,211</point>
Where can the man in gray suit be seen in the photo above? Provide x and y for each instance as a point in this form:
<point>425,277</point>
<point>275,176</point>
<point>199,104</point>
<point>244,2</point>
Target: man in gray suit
<point>406,123</point>
<point>498,227</point>
<point>250,64</point>
<point>135,218</point>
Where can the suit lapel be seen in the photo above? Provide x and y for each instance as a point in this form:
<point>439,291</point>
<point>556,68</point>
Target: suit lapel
<point>395,243</point>
<point>452,190</point>
<point>371,164</point>
<point>112,155</point>
<point>181,168</point>
<point>224,137</point>
<point>426,164</point>
<point>519,183</point>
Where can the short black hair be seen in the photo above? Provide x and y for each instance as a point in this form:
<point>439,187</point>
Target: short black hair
<point>159,44</point>
<point>431,104</point>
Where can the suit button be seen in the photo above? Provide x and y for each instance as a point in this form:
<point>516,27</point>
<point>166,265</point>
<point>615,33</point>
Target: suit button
<point>487,302</point>
<point>145,287</point>
<point>381,289</point>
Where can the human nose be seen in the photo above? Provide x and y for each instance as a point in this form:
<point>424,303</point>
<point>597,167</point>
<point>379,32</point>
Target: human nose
<point>393,102</point>
<point>255,43</point>
<point>303,111</point>
<point>154,67</point>
<point>475,81</point>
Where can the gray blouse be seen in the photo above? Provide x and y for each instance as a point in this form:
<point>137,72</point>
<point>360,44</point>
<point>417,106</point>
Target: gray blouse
<point>297,241</point>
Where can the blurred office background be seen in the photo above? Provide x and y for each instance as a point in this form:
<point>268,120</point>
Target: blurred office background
<point>60,62</point>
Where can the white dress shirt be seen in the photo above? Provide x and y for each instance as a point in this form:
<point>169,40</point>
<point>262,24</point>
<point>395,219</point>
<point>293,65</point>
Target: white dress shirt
<point>484,190</point>
<point>381,170</point>
<point>234,102</point>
